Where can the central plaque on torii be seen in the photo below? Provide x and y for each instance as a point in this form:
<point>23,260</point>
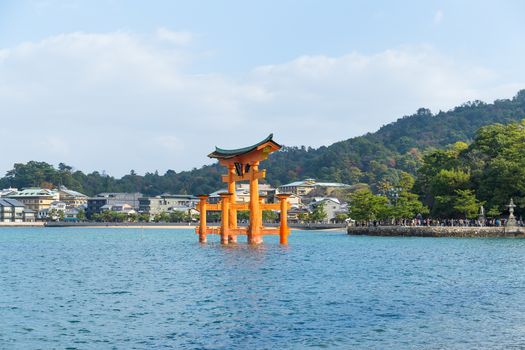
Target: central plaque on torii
<point>243,165</point>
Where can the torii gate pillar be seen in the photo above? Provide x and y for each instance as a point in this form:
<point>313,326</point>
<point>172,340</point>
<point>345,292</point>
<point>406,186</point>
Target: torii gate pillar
<point>254,230</point>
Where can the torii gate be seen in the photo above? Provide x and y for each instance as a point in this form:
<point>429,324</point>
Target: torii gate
<point>243,165</point>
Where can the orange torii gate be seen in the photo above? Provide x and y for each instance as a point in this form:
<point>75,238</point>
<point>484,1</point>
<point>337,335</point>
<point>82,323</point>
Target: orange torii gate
<point>243,165</point>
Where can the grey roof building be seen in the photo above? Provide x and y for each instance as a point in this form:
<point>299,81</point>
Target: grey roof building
<point>11,210</point>
<point>167,202</point>
<point>95,204</point>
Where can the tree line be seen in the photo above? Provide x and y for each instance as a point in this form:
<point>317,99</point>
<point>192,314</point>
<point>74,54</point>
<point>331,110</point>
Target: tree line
<point>453,183</point>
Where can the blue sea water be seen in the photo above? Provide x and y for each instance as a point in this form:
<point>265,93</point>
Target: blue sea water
<point>159,289</point>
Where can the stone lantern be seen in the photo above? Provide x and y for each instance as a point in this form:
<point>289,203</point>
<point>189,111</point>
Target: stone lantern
<point>511,222</point>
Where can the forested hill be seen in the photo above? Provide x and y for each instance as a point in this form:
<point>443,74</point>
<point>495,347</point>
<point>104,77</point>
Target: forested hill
<point>369,158</point>
<point>396,146</point>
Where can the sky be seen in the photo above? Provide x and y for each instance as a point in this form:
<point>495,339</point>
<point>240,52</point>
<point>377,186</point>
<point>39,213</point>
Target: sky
<point>116,85</point>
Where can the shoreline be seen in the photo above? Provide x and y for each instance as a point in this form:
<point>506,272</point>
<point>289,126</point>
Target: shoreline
<point>151,225</point>
<point>437,231</point>
<point>165,227</point>
<point>22,224</point>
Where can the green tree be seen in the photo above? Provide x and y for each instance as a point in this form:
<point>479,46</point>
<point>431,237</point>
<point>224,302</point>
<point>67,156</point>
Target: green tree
<point>407,206</point>
<point>269,216</point>
<point>365,206</point>
<point>162,217</point>
<point>491,170</point>
<point>81,215</point>
<point>119,217</point>
<point>403,204</point>
<point>52,214</point>
<point>133,217</point>
<point>341,217</point>
<point>177,216</point>
<point>448,181</point>
<point>106,216</point>
<point>442,188</point>
<point>304,217</point>
<point>493,212</point>
<point>467,204</point>
<point>243,215</point>
<point>213,216</point>
<point>318,213</point>
<point>144,217</point>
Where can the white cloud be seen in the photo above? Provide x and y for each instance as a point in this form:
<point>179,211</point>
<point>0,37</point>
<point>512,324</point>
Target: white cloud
<point>334,98</point>
<point>169,143</point>
<point>438,17</point>
<point>179,38</point>
<point>118,101</point>
<point>54,144</point>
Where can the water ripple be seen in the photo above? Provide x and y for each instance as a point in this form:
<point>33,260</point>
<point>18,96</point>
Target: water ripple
<point>135,289</point>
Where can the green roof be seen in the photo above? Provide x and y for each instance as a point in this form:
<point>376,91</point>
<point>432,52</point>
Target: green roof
<point>220,153</point>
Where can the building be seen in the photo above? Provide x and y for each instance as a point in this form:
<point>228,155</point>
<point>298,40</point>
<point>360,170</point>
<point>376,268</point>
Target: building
<point>242,192</point>
<point>166,203</point>
<point>73,199</point>
<point>29,215</point>
<point>35,199</point>
<point>294,200</point>
<point>56,210</point>
<point>108,200</point>
<point>116,198</point>
<point>303,188</point>
<point>332,207</point>
<point>11,210</point>
<point>295,214</point>
<point>71,214</point>
<point>58,206</point>
<point>123,208</point>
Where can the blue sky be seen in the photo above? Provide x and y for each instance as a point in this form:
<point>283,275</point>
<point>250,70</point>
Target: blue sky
<point>159,83</point>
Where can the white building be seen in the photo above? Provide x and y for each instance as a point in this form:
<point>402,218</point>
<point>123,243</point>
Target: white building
<point>332,207</point>
<point>167,203</point>
<point>55,210</point>
<point>242,192</point>
<point>124,208</point>
<point>73,199</point>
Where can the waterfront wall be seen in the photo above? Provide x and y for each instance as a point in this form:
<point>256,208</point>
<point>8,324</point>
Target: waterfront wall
<point>437,231</point>
<point>91,224</point>
<point>22,224</point>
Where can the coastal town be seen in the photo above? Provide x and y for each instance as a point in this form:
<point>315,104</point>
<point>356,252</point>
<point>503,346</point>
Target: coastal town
<point>309,200</point>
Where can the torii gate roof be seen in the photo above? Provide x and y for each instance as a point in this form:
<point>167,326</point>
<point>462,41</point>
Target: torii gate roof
<point>220,153</point>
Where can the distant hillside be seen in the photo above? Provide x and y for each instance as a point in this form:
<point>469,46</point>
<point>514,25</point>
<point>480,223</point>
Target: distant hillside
<point>396,146</point>
<point>370,158</point>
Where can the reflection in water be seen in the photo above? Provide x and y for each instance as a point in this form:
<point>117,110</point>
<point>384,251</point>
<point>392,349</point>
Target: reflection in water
<point>144,289</point>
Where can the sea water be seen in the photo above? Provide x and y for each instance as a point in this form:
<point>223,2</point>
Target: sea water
<point>153,289</point>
